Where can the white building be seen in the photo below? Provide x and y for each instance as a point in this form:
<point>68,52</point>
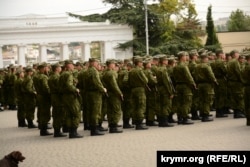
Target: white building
<point>43,31</point>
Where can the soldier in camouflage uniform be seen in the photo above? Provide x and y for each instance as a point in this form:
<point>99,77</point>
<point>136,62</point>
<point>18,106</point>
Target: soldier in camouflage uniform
<point>220,72</point>
<point>184,86</point>
<point>235,85</point>
<point>70,99</point>
<point>246,77</point>
<point>11,92</point>
<point>29,97</point>
<point>19,96</point>
<point>195,100</point>
<point>56,100</point>
<point>43,98</point>
<point>166,92</point>
<point>114,97</point>
<point>151,92</point>
<point>126,91</point>
<point>82,87</point>
<point>138,83</point>
<point>205,79</point>
<point>94,90</point>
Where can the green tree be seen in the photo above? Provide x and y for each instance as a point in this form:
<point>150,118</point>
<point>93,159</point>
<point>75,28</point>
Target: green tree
<point>212,42</point>
<point>238,21</point>
<point>163,35</point>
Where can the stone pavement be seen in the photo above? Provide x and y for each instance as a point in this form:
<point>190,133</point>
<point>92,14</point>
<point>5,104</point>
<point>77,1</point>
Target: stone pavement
<point>128,149</point>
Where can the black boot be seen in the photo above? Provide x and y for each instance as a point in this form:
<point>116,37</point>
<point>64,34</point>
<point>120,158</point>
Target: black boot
<point>238,114</point>
<point>248,121</point>
<point>44,131</point>
<point>140,126</point>
<point>171,119</point>
<point>151,123</point>
<point>206,118</point>
<point>95,131</point>
<point>220,113</point>
<point>195,115</point>
<point>22,123</point>
<point>114,129</point>
<point>65,129</point>
<point>31,124</point>
<point>73,133</point>
<point>58,133</point>
<point>126,124</point>
<point>187,121</point>
<point>86,126</point>
<point>180,119</point>
<point>101,128</point>
<point>164,122</point>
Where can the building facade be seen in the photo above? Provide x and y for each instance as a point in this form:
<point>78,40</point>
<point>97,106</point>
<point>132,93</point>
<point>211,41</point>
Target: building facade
<point>40,30</point>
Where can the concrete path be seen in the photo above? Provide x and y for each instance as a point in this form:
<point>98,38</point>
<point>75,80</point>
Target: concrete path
<point>129,149</point>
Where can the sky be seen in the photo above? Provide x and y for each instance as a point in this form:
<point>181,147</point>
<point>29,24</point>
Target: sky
<point>50,8</point>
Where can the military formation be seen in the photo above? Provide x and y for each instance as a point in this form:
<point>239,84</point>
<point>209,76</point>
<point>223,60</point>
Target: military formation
<point>150,88</point>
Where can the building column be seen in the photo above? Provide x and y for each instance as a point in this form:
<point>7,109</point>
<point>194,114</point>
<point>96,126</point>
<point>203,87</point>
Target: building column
<point>1,56</point>
<point>43,53</point>
<point>64,51</point>
<point>86,51</point>
<point>21,55</point>
<point>108,51</point>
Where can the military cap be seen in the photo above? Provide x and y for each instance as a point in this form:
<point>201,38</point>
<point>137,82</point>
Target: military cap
<point>163,57</point>
<point>79,64</point>
<point>28,69</point>
<point>19,71</point>
<point>66,62</point>
<point>93,60</point>
<point>200,51</point>
<point>156,57</point>
<point>43,64</point>
<point>126,60</point>
<point>181,53</point>
<point>203,55</point>
<point>56,65</point>
<point>233,52</point>
<point>111,61</point>
<point>138,59</point>
<point>219,51</point>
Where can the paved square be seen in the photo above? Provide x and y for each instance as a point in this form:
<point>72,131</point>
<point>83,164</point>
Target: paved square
<point>129,149</point>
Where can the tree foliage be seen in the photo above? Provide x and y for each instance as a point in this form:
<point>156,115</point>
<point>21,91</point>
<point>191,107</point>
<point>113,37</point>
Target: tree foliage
<point>212,39</point>
<point>165,35</point>
<point>238,21</point>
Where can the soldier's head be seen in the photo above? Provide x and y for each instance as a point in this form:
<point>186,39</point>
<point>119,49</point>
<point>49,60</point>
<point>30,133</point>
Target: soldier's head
<point>29,71</point>
<point>220,54</point>
<point>93,62</point>
<point>242,58</point>
<point>138,61</point>
<point>57,67</point>
<point>43,68</point>
<point>228,56</point>
<point>235,54</point>
<point>247,55</point>
<point>182,56</point>
<point>204,57</point>
<point>155,60</point>
<point>111,64</point>
<point>19,73</point>
<point>69,65</point>
<point>193,55</point>
<point>78,65</point>
<point>147,63</point>
<point>163,59</point>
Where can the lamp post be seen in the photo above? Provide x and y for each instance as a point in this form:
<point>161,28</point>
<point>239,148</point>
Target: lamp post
<point>146,26</point>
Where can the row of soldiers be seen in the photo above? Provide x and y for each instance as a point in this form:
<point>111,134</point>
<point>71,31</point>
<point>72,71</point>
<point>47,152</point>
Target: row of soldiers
<point>147,88</point>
